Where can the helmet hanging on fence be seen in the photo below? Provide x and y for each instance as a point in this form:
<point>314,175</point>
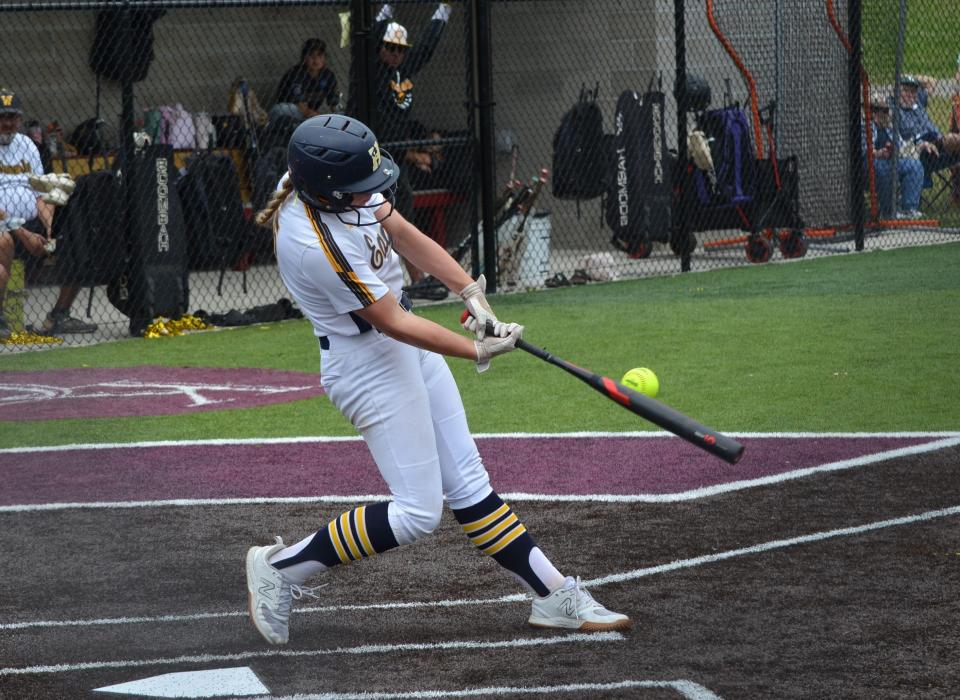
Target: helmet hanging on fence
<point>697,94</point>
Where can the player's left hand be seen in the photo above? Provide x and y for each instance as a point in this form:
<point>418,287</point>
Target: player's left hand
<point>478,306</point>
<point>500,329</point>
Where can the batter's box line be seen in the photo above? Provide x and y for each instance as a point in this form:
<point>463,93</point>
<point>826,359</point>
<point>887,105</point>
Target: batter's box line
<point>364,649</point>
<point>693,494</point>
<point>685,688</point>
<point>519,597</point>
<point>309,439</point>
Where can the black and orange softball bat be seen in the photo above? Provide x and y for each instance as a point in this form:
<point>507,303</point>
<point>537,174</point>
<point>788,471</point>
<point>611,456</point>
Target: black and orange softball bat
<point>658,413</point>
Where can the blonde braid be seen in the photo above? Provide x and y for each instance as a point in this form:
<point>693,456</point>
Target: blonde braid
<point>265,216</point>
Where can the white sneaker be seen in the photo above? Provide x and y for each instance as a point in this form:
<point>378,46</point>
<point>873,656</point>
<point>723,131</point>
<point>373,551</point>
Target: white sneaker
<point>271,594</point>
<point>50,181</point>
<point>572,607</point>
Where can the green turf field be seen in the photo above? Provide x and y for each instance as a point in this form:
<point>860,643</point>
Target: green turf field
<point>930,39</point>
<point>864,342</point>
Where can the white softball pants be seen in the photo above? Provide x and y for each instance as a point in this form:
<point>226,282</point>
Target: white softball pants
<point>406,405</point>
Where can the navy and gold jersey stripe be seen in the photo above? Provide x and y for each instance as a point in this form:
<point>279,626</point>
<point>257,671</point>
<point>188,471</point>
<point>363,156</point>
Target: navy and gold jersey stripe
<point>337,260</point>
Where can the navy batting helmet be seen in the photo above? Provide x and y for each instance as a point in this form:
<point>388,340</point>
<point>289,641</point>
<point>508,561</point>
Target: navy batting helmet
<point>333,157</point>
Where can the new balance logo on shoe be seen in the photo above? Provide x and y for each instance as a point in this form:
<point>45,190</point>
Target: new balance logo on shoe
<point>569,609</point>
<point>267,588</point>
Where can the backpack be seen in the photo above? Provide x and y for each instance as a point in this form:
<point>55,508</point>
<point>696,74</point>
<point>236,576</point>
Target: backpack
<point>89,229</point>
<point>734,162</point>
<point>639,192</point>
<point>123,53</point>
<point>266,174</point>
<point>89,139</point>
<point>155,280</point>
<point>217,232</point>
<point>579,157</point>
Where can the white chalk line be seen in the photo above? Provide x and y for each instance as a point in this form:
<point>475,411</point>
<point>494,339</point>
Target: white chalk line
<point>676,497</point>
<point>512,436</point>
<point>517,597</point>
<point>576,637</point>
<point>688,689</point>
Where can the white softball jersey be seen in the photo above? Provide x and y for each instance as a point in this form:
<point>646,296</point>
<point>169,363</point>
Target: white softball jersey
<point>332,268</point>
<point>18,161</point>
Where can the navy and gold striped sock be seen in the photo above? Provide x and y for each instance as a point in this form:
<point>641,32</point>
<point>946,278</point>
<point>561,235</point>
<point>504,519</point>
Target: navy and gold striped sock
<point>497,531</point>
<point>354,535</point>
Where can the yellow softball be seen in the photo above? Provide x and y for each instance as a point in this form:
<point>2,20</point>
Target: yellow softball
<point>642,380</point>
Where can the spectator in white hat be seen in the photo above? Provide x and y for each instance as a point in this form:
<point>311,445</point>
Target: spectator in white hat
<point>398,60</point>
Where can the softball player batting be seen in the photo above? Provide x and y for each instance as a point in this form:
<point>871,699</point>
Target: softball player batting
<point>337,243</point>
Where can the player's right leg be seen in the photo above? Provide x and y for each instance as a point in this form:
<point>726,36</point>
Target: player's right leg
<point>493,526</point>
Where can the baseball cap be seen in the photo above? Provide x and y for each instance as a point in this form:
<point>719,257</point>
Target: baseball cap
<point>10,102</point>
<point>396,33</point>
<point>910,80</point>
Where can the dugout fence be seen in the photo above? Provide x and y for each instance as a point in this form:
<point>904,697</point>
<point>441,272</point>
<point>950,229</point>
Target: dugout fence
<point>199,80</point>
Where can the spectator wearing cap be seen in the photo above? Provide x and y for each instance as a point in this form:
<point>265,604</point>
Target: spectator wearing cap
<point>308,88</point>
<point>909,170</point>
<point>397,61</point>
<point>916,127</point>
<point>24,213</point>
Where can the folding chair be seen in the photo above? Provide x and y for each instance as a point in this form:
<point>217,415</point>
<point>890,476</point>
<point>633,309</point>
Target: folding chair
<point>946,183</point>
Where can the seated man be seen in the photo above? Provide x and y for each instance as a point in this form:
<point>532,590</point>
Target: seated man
<point>25,211</point>
<point>909,170</point>
<point>936,150</point>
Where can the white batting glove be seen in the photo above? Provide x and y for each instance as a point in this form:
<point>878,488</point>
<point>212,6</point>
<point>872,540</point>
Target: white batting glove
<point>492,345</point>
<point>478,306</point>
<point>386,12</point>
<point>500,329</point>
<point>11,224</point>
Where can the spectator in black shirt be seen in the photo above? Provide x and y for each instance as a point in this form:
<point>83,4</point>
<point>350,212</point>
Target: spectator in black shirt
<point>308,88</point>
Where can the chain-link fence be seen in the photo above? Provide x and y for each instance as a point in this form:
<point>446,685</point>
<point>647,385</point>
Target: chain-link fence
<point>596,140</point>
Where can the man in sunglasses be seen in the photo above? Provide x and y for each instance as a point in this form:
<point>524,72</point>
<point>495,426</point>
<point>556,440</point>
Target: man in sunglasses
<point>397,61</point>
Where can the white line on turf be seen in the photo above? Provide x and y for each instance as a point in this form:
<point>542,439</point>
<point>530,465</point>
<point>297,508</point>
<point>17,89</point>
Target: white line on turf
<point>356,438</point>
<point>687,689</point>
<point>519,597</point>
<point>595,637</point>
<point>693,494</point>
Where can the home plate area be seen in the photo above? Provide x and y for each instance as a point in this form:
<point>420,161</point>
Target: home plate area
<point>819,566</point>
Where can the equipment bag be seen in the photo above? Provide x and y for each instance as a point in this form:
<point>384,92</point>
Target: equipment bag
<point>734,184</point>
<point>217,232</point>
<point>89,232</point>
<point>639,192</point>
<point>122,48</point>
<point>267,172</point>
<point>154,282</point>
<point>579,159</point>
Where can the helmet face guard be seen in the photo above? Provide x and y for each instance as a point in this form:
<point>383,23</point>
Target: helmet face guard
<point>332,157</point>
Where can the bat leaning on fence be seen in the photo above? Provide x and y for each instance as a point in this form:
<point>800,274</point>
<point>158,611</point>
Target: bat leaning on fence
<point>658,413</point>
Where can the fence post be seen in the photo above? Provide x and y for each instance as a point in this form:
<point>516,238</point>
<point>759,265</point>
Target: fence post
<point>480,15</point>
<point>853,99</point>
<point>361,82</point>
<point>680,94</point>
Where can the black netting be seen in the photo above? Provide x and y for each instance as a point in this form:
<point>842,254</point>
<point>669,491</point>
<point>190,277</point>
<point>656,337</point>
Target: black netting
<point>171,119</point>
